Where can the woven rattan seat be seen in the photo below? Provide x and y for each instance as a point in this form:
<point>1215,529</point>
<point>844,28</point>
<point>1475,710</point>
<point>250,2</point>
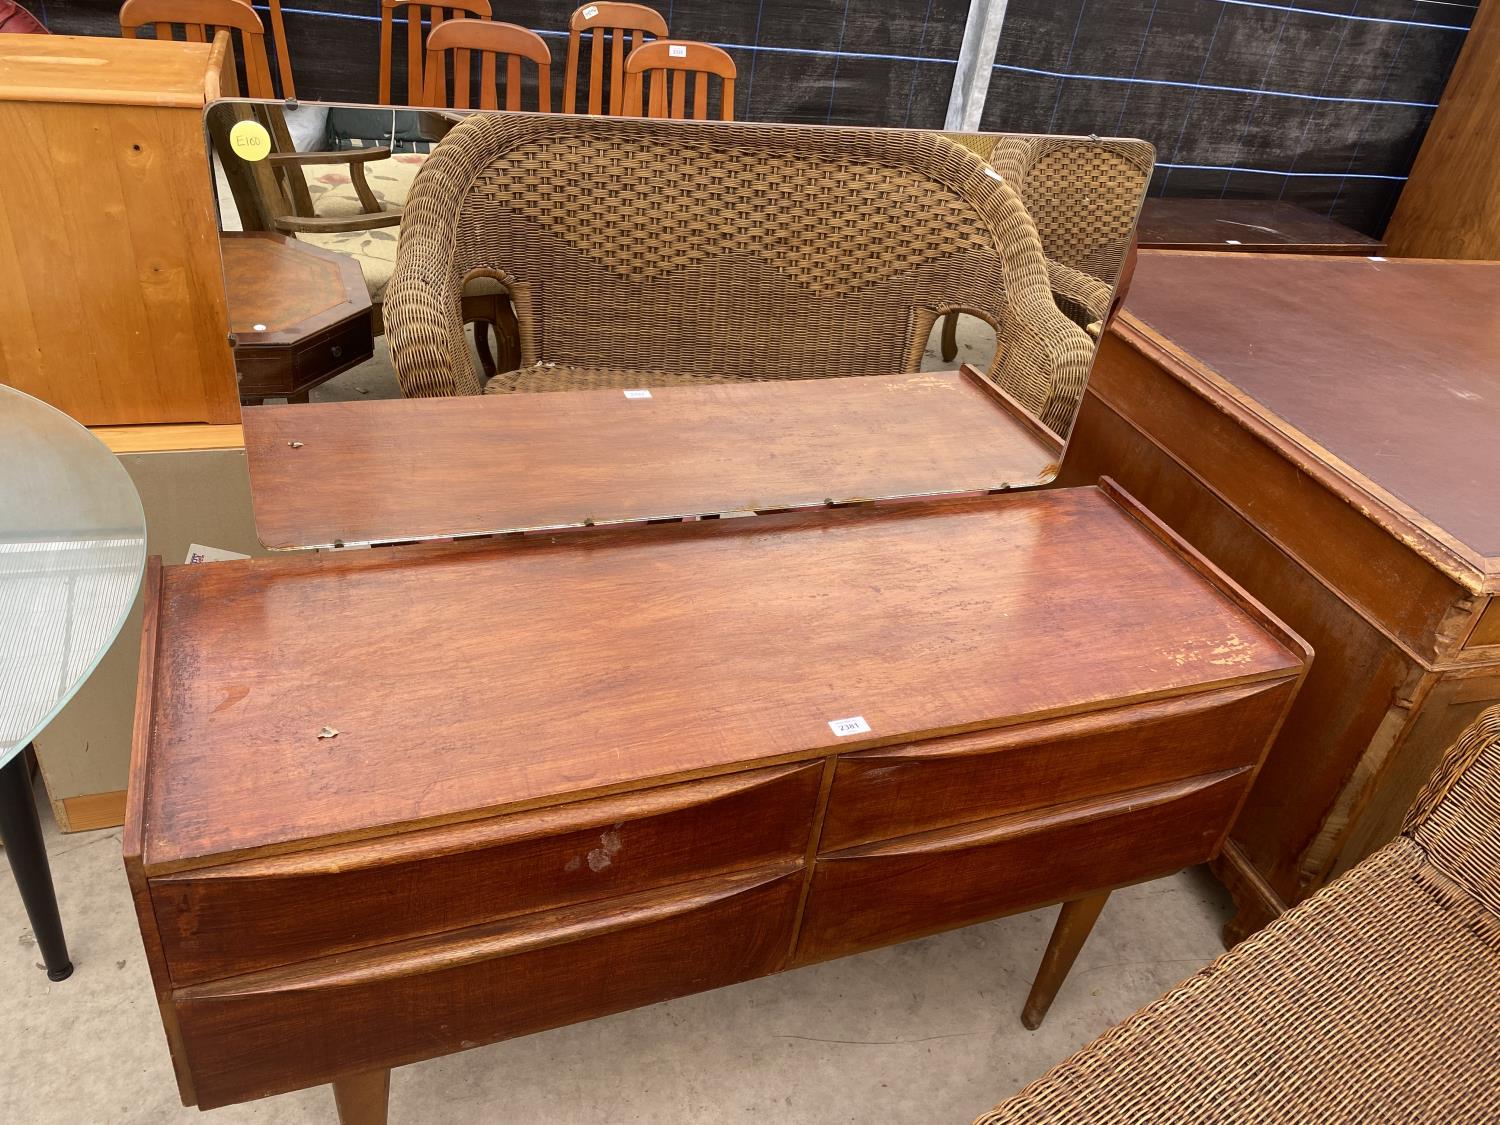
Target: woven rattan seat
<point>1376,1000</point>
<point>707,250</point>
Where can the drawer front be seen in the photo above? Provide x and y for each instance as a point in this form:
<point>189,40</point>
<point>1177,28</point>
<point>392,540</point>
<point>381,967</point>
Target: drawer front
<point>349,345</point>
<point>897,791</point>
<point>877,895</point>
<point>288,1028</point>
<point>256,914</point>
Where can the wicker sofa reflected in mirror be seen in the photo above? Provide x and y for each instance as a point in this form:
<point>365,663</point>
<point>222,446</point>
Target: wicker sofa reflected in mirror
<point>588,252</point>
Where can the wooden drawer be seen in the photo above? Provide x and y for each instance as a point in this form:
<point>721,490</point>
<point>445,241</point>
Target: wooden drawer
<point>259,913</point>
<point>341,348</point>
<point>896,791</point>
<point>879,894</point>
<point>292,1027</point>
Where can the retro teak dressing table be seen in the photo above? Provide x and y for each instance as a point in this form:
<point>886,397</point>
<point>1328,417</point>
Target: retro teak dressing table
<point>393,803</point>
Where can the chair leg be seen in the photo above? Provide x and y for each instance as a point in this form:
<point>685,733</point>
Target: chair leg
<point>1072,930</point>
<point>21,832</point>
<point>482,329</point>
<point>950,336</point>
<point>363,1099</point>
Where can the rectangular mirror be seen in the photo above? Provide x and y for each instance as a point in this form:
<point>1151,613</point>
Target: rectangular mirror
<point>522,321</point>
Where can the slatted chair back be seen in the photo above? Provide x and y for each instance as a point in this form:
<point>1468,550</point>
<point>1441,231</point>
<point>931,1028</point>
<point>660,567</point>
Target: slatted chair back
<point>670,64</point>
<point>709,251</point>
<point>420,19</point>
<point>283,57</point>
<point>457,40</point>
<point>198,21</point>
<point>614,31</point>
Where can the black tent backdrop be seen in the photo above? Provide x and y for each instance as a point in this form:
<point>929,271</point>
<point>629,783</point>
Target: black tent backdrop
<point>1320,102</point>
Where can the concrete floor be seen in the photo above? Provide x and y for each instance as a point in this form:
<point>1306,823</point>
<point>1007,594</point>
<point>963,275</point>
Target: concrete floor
<point>920,1033</point>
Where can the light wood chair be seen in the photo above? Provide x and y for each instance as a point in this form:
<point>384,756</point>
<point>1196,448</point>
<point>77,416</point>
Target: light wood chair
<point>455,40</point>
<point>198,21</point>
<point>412,12</point>
<point>608,25</point>
<point>677,59</point>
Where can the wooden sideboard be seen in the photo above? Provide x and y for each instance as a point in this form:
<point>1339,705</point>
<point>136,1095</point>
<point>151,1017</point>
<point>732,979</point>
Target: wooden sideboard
<point>109,262</point>
<point>1325,430</point>
<point>394,803</point>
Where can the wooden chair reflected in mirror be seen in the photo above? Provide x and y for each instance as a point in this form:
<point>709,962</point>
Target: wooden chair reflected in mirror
<point>416,35</point>
<point>451,44</point>
<point>610,27</point>
<point>669,63</point>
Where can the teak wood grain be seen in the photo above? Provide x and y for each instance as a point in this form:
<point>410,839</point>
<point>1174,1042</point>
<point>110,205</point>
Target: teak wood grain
<point>282,1029</point>
<point>539,669</point>
<point>581,773</point>
<point>1247,226</point>
<point>422,468</point>
<point>1311,424</point>
<point>923,884</point>
<point>445,878</point>
<point>894,791</point>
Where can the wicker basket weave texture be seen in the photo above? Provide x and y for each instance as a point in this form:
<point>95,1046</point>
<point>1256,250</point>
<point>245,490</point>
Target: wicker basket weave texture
<point>1376,1000</point>
<point>654,251</point>
<point>1084,194</point>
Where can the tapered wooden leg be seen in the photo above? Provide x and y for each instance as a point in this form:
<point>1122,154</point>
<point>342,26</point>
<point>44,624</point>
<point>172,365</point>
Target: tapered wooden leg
<point>363,1098</point>
<point>950,336</point>
<point>1072,930</point>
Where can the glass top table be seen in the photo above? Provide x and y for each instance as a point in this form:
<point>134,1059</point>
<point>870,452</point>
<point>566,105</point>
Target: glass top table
<point>72,551</point>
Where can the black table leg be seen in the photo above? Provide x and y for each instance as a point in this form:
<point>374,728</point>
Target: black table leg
<point>21,832</point>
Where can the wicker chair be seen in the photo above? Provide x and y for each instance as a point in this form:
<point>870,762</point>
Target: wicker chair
<point>1376,1000</point>
<point>1084,194</point>
<point>641,253</point>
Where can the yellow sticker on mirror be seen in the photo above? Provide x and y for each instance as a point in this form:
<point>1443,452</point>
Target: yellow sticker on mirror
<point>250,140</point>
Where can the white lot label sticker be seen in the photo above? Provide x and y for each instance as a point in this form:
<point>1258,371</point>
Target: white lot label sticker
<point>637,394</point>
<point>845,727</point>
<point>677,51</point>
<point>590,12</point>
<point>994,175</point>
<point>1233,242</point>
<point>1377,259</point>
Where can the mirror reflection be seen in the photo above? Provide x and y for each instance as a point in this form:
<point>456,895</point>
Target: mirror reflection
<point>447,253</point>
